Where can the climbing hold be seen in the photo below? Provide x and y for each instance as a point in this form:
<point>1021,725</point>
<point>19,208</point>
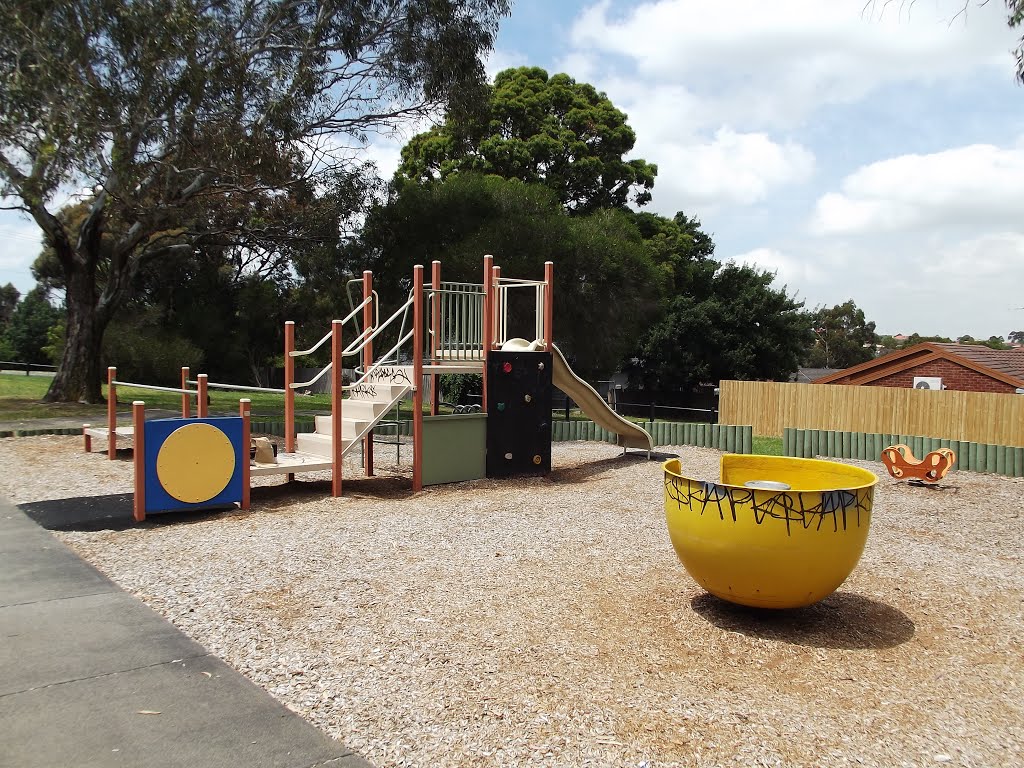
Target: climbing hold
<point>527,398</point>
<point>506,367</point>
<point>537,459</point>
<point>508,457</point>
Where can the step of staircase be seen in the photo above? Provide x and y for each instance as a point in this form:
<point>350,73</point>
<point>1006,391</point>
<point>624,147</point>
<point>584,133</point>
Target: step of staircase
<point>317,444</point>
<point>363,409</point>
<point>377,391</point>
<point>350,428</point>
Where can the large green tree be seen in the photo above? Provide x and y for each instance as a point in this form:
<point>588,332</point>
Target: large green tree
<point>158,106</point>
<point>606,284</point>
<point>552,130</point>
<point>25,334</point>
<point>841,337</point>
<point>715,321</point>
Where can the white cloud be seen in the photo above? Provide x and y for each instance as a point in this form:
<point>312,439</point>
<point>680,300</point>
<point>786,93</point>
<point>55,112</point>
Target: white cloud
<point>773,63</point>
<point>789,271</point>
<point>733,168</point>
<point>966,187</point>
<point>907,283</point>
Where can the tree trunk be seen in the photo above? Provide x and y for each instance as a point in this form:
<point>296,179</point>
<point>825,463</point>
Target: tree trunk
<point>79,376</point>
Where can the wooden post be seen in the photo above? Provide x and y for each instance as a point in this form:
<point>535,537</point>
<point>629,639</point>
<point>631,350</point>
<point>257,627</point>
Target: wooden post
<point>367,362</point>
<point>435,327</point>
<point>202,408</point>
<point>245,411</point>
<point>186,404</point>
<point>289,393</point>
<point>336,384</point>
<point>549,304</point>
<point>487,330</point>
<point>417,377</point>
<point>111,413</point>
<point>88,438</point>
<point>139,460</point>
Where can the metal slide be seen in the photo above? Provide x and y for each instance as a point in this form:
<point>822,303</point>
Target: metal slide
<point>592,404</point>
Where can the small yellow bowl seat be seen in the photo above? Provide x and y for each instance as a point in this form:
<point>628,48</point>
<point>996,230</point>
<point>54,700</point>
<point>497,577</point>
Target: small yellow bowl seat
<point>775,532</point>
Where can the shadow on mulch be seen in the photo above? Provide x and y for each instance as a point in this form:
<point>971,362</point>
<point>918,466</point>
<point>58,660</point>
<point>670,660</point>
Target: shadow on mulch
<point>583,472</point>
<point>114,512</point>
<point>102,513</point>
<point>841,620</point>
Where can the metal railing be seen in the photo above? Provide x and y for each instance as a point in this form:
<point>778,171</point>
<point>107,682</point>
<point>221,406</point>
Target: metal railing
<point>456,327</point>
<point>504,285</point>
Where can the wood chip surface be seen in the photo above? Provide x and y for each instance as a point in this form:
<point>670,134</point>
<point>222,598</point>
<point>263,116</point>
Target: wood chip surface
<point>547,621</point>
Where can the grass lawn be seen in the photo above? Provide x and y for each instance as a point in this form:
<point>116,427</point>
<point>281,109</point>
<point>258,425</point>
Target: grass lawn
<point>21,399</point>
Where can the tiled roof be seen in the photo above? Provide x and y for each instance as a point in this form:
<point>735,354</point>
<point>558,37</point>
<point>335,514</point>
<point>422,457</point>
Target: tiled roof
<point>1008,361</point>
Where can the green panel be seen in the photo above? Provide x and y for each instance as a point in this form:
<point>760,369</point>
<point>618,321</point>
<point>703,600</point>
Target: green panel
<point>1018,462</point>
<point>1000,460</point>
<point>787,441</point>
<point>454,448</point>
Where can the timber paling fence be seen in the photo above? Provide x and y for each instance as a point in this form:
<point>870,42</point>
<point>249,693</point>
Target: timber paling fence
<point>974,457</point>
<point>975,417</point>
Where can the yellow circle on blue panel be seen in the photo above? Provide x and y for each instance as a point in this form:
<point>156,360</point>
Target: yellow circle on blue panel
<point>195,463</point>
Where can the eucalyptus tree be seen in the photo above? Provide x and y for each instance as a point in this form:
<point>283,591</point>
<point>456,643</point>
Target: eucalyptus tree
<point>162,109</point>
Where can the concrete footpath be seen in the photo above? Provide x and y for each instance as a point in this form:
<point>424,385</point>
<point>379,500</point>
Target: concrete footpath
<point>90,676</point>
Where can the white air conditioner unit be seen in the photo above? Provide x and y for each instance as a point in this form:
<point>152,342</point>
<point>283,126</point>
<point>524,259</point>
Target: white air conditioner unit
<point>928,382</point>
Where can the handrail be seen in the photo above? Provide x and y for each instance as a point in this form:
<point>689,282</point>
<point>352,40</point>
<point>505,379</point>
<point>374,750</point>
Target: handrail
<point>314,380</point>
<point>315,347</point>
<point>383,361</point>
<point>514,282</point>
<point>238,387</point>
<point>350,351</point>
<point>155,388</point>
<point>348,294</point>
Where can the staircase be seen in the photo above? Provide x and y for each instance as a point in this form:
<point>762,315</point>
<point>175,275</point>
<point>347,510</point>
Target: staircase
<point>367,404</point>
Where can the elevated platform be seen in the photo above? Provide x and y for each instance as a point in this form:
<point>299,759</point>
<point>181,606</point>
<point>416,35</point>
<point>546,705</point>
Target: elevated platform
<point>292,464</point>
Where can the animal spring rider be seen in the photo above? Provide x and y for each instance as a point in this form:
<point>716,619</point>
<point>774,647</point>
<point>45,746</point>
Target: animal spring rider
<point>900,462</point>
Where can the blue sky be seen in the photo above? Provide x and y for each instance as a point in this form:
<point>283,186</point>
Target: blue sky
<point>873,153</point>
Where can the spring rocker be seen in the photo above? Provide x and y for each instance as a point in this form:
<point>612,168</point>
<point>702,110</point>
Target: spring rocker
<point>773,532</point>
<point>900,462</point>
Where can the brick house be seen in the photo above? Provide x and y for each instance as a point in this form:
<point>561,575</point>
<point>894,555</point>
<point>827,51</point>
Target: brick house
<point>964,367</point>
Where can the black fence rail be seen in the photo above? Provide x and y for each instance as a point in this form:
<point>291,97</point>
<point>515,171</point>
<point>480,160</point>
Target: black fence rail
<point>9,365</point>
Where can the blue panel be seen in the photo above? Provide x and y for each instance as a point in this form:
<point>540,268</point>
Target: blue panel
<point>158,430</point>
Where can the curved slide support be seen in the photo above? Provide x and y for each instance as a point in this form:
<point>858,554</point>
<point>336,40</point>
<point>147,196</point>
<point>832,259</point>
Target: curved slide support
<point>592,404</point>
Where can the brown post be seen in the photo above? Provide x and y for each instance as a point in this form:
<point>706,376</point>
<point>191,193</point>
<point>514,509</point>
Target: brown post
<point>417,377</point>
<point>289,393</point>
<point>186,405</point>
<point>245,410</point>
<point>88,437</point>
<point>336,385</point>
<point>203,407</point>
<point>367,362</point>
<point>487,329</point>
<point>139,460</point>
<point>549,304</point>
<point>435,327</point>
<point>111,413</point>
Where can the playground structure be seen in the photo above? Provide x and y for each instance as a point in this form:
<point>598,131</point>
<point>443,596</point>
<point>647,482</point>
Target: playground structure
<point>774,532</point>
<point>901,464</point>
<point>456,328</point>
